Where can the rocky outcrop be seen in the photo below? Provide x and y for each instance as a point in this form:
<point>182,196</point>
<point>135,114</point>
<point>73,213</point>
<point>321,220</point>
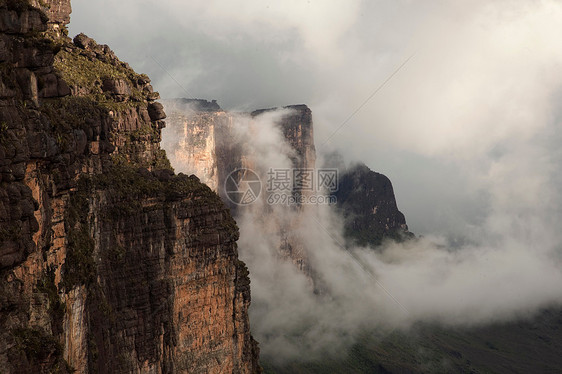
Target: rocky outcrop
<point>109,262</point>
<point>296,128</point>
<point>197,134</point>
<point>367,203</point>
<point>194,105</point>
<point>203,139</point>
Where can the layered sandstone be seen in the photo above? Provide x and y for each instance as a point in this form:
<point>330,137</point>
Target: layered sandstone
<point>109,262</point>
<point>198,134</point>
<point>205,140</point>
<point>297,130</point>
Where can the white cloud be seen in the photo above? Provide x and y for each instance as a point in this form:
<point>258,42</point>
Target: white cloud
<point>468,131</point>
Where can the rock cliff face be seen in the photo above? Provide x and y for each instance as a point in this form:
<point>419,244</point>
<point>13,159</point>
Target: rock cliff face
<point>203,139</point>
<point>366,200</point>
<point>297,129</point>
<point>198,135</point>
<point>109,262</point>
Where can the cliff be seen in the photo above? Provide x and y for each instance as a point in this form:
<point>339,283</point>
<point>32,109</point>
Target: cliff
<point>367,203</point>
<point>199,133</point>
<point>109,262</point>
<point>203,139</point>
<point>207,141</point>
<point>297,130</point>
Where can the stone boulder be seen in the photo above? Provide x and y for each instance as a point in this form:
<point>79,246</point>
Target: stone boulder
<point>156,111</point>
<point>116,86</point>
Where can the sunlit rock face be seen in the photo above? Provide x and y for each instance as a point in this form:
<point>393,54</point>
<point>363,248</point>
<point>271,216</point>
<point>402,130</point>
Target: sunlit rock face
<point>196,137</point>
<point>204,140</point>
<point>109,262</point>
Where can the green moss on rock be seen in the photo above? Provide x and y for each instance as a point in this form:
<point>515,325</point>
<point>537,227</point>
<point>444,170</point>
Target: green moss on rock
<point>57,308</point>
<point>78,70</point>
<point>88,71</point>
<point>79,267</point>
<point>71,112</point>
<point>40,350</point>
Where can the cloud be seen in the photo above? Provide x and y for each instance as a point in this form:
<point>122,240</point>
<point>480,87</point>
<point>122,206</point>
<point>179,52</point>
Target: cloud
<point>509,267</point>
<point>468,131</point>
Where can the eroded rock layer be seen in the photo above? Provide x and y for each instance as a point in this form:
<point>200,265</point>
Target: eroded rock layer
<point>109,262</point>
<point>205,140</point>
<point>212,143</point>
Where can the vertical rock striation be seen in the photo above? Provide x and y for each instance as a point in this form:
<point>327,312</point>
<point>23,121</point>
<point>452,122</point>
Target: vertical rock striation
<point>297,129</point>
<point>109,262</point>
<point>203,140</point>
<point>199,134</point>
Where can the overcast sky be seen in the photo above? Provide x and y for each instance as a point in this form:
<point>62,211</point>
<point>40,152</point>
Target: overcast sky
<point>467,128</point>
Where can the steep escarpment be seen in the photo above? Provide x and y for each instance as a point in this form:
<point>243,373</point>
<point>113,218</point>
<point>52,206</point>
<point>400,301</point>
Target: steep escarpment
<point>297,130</point>
<point>203,141</point>
<point>207,141</point>
<point>366,201</point>
<point>109,262</point>
<point>198,136</point>
<point>212,143</point>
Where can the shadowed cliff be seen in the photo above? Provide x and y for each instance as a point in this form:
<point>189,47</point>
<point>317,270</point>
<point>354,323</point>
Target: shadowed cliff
<point>367,203</point>
<point>109,262</point>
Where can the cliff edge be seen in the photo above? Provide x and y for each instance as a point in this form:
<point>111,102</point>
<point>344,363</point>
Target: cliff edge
<point>367,203</point>
<point>109,262</point>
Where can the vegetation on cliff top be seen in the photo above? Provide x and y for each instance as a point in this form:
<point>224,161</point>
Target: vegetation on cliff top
<point>127,185</point>
<point>89,67</point>
<point>126,188</point>
<point>70,112</point>
<point>78,70</point>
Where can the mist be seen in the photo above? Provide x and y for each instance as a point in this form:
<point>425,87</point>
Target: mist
<point>468,130</point>
<point>483,76</point>
<point>508,267</point>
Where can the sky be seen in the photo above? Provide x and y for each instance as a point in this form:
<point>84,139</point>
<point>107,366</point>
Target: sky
<point>482,78</point>
<point>457,102</point>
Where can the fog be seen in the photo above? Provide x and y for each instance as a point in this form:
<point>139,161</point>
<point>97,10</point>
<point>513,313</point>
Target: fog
<point>467,130</point>
<point>508,267</point>
<point>483,78</point>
